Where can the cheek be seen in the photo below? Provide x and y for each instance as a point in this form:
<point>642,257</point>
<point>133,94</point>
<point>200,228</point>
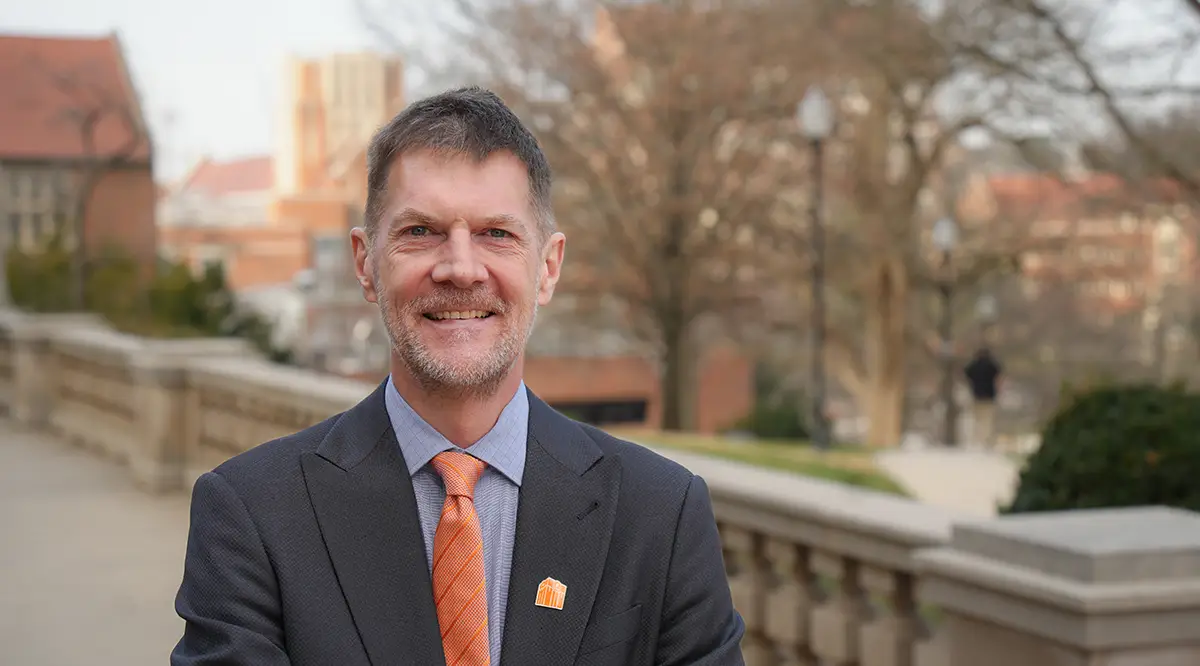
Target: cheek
<point>398,278</point>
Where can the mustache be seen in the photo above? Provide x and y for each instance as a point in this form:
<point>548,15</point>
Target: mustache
<point>457,300</point>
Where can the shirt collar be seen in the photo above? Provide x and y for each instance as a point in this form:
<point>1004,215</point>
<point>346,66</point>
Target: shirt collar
<point>503,447</point>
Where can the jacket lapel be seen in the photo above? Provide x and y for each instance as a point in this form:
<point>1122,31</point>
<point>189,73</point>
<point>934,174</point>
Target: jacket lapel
<point>367,512</point>
<point>564,522</point>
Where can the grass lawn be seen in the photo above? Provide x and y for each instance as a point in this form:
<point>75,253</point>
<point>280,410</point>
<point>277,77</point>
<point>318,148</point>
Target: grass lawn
<point>850,465</point>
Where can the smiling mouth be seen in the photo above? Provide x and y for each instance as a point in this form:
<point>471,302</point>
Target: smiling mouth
<point>465,314</point>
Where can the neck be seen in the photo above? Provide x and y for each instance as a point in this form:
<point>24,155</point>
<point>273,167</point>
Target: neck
<point>461,418</point>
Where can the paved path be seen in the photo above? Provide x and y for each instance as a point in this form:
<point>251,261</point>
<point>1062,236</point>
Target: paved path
<point>971,482</point>
<point>89,565</point>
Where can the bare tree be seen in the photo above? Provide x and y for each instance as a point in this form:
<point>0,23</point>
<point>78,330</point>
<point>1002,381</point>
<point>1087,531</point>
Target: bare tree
<point>1124,79</point>
<point>683,178</point>
<point>921,96</point>
<point>111,137</point>
<point>670,127</point>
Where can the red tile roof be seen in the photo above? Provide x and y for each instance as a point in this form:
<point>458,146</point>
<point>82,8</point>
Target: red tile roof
<point>51,84</point>
<point>214,179</point>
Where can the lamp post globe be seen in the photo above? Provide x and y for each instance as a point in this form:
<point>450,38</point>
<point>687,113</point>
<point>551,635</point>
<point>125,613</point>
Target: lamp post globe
<point>945,234</point>
<point>814,114</point>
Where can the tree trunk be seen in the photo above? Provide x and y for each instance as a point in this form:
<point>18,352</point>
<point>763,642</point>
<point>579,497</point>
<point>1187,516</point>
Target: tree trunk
<point>79,251</point>
<point>886,338</point>
<point>78,274</point>
<point>885,411</point>
<point>675,371</point>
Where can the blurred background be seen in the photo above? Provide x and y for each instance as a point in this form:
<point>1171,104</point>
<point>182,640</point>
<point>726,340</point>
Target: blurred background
<point>789,223</point>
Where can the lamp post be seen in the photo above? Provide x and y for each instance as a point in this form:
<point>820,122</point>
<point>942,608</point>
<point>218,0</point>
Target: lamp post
<point>5,295</point>
<point>304,282</point>
<point>945,239</point>
<point>815,117</point>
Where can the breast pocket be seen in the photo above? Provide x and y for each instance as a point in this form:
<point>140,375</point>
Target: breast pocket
<point>609,639</point>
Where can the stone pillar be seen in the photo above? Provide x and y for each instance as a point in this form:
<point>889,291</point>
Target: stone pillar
<point>156,459</point>
<point>166,428</point>
<point>33,371</point>
<point>1111,587</point>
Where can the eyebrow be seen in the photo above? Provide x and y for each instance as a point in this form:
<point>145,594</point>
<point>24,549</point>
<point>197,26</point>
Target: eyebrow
<point>414,216</point>
<point>502,220</point>
<point>411,216</point>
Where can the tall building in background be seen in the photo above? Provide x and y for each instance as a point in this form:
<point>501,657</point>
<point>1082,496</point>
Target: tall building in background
<point>329,109</point>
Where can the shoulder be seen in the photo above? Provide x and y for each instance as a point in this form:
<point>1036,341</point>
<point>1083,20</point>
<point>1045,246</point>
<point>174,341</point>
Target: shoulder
<point>273,462</point>
<point>646,474</point>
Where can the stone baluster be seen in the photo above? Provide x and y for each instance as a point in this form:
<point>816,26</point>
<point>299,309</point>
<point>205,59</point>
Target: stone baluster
<point>748,571</point>
<point>890,637</point>
<point>33,372</point>
<point>791,597</point>
<point>158,459</point>
<point>836,623</point>
<point>8,375</point>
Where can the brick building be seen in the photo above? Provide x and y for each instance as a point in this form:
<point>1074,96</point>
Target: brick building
<point>74,146</point>
<point>1110,264</point>
<point>1117,242</point>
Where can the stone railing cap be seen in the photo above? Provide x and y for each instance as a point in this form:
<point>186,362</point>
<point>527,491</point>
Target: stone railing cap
<point>825,502</point>
<point>286,383</point>
<point>1127,545</point>
<point>26,324</point>
<point>98,338</point>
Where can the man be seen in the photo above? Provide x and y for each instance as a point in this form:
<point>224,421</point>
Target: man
<point>983,376</point>
<point>452,516</point>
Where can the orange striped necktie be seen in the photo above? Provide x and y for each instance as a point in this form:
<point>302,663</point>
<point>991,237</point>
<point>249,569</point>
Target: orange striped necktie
<point>458,583</point>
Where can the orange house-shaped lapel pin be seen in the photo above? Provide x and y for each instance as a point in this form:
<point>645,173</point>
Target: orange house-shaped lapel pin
<point>551,594</point>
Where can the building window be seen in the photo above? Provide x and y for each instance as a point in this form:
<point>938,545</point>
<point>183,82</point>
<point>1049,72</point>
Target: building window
<point>605,412</point>
<point>328,253</point>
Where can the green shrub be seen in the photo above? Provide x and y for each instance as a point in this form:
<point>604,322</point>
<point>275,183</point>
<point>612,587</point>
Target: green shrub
<point>1116,446</point>
<point>778,420</point>
<point>778,412</point>
<point>176,303</point>
<point>39,281</point>
<point>114,286</point>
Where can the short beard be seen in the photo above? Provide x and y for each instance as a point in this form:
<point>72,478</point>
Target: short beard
<point>478,378</point>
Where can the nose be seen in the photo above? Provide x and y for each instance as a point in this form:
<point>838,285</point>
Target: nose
<point>459,263</point>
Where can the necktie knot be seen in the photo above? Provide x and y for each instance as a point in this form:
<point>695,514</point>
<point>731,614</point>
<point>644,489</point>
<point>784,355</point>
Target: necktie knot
<point>459,472</point>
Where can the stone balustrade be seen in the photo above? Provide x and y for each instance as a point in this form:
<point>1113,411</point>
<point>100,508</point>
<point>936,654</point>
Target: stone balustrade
<point>824,574</point>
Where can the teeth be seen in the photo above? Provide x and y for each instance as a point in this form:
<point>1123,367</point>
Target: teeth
<point>468,314</point>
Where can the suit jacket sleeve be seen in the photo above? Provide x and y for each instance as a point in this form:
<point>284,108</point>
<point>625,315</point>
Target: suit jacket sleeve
<point>700,626</point>
<point>229,598</point>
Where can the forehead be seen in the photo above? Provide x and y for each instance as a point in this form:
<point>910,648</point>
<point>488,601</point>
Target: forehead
<point>448,187</point>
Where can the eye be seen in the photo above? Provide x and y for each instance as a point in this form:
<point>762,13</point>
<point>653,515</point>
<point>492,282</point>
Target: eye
<point>417,231</point>
<point>498,233</point>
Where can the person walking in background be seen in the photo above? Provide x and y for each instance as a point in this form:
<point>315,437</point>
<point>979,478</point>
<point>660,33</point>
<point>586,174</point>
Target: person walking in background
<point>983,376</point>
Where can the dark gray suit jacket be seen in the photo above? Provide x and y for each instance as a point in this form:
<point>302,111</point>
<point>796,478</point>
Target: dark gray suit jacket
<point>307,551</point>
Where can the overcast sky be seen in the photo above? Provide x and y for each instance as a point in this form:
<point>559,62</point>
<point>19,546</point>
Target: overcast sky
<point>210,72</point>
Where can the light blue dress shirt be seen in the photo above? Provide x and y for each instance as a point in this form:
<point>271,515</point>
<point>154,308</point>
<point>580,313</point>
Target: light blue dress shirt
<point>496,492</point>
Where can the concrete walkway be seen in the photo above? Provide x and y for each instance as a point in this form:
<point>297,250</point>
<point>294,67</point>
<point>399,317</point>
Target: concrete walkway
<point>89,565</point>
<point>966,481</point>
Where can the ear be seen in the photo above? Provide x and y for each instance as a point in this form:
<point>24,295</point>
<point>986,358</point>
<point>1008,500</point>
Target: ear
<point>364,263</point>
<point>550,267</point>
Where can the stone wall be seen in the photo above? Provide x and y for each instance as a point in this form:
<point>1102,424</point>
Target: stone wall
<point>824,574</point>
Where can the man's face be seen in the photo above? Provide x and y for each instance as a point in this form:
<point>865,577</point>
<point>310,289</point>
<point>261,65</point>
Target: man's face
<point>458,268</point>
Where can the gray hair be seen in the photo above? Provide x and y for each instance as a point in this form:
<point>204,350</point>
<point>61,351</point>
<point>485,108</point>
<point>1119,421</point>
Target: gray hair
<point>469,121</point>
